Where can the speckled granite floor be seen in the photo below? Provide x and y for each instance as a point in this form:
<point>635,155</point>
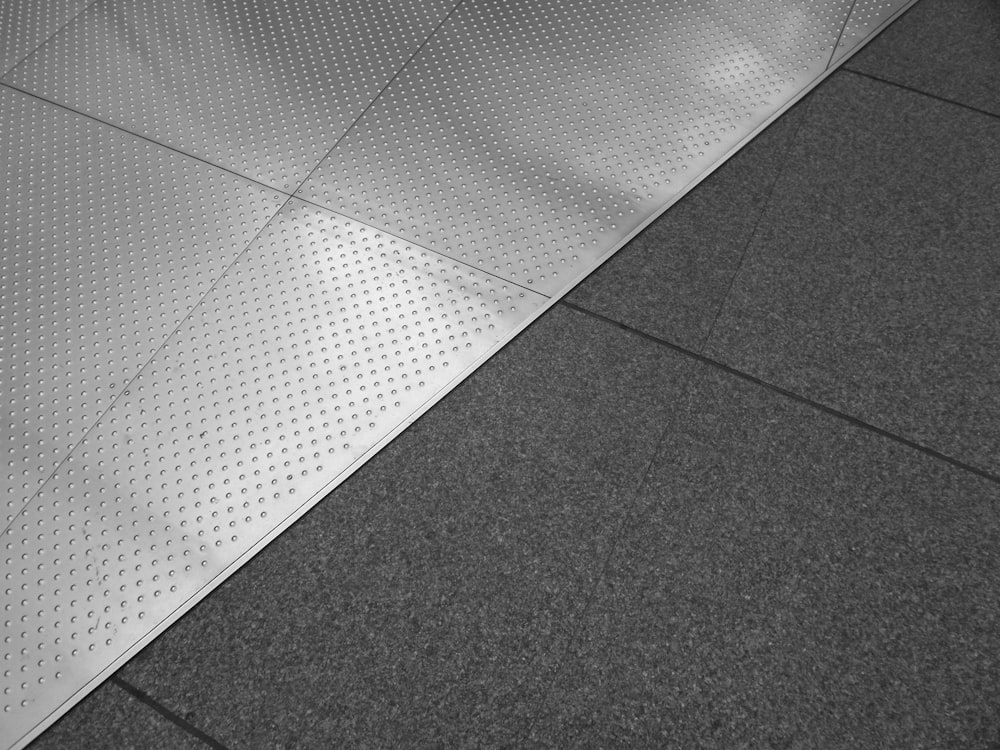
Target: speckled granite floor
<point>741,489</point>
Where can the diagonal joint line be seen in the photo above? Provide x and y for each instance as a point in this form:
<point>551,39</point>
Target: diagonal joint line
<point>378,96</point>
<point>843,28</point>
<point>165,712</point>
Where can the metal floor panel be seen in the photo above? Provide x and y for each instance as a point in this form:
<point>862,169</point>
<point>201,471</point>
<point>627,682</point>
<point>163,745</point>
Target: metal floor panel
<point>318,344</point>
<point>262,89</point>
<point>198,371</point>
<point>25,24</point>
<point>108,242</point>
<point>531,138</point>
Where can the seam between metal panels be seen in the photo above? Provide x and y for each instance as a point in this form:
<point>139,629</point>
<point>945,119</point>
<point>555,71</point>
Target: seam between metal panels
<point>264,185</point>
<point>870,37</point>
<point>843,28</point>
<point>124,390</point>
<point>101,18</point>
<point>445,256</point>
<point>133,134</point>
<point>51,36</point>
<point>347,216</point>
<point>377,96</point>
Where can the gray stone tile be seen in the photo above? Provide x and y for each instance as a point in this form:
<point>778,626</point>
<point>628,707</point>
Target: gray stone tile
<point>111,719</point>
<point>425,601</point>
<point>949,48</point>
<point>795,582</point>
<point>872,282</point>
<point>671,280</point>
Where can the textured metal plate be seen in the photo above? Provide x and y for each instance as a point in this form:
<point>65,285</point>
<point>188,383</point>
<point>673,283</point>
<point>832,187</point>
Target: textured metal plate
<point>25,24</point>
<point>318,344</point>
<point>263,89</point>
<point>107,242</point>
<point>530,138</point>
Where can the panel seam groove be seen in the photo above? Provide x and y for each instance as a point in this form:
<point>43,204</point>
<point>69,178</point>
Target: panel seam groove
<point>264,185</point>
<point>139,136</point>
<point>179,721</point>
<point>375,98</point>
<point>125,390</point>
<point>873,34</point>
<point>401,238</point>
<point>843,28</point>
<point>49,38</point>
<point>832,411</point>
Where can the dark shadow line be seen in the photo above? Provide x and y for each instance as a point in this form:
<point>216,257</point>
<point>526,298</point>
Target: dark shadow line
<point>187,726</point>
<point>794,396</point>
<point>911,89</point>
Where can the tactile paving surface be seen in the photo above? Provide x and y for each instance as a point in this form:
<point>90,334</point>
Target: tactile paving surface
<point>263,89</point>
<point>318,343</point>
<point>190,371</point>
<point>108,242</point>
<point>25,24</point>
<point>530,138</point>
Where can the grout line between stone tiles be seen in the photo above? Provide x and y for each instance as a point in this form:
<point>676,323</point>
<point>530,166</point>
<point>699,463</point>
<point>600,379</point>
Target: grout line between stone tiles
<point>187,726</point>
<point>913,90</point>
<point>753,233</point>
<point>49,38</point>
<point>983,473</point>
<point>629,519</point>
<point>836,44</point>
